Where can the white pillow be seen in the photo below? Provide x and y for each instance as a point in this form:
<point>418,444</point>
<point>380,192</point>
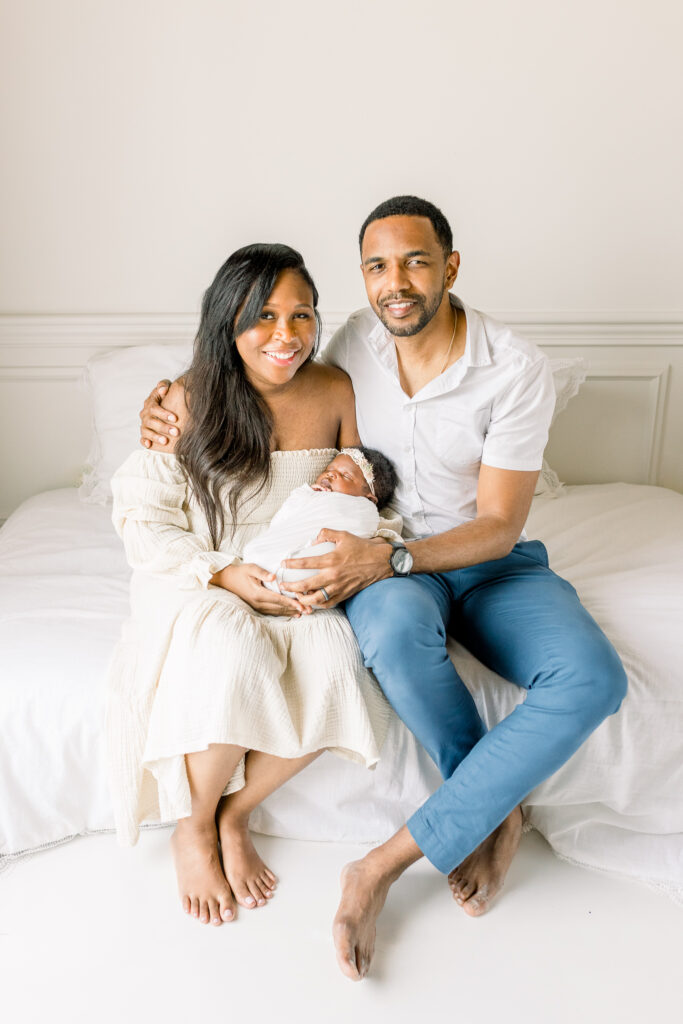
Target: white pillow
<point>118,382</point>
<point>568,376</point>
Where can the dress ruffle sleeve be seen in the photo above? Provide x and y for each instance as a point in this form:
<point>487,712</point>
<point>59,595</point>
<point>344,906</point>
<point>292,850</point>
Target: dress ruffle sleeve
<point>150,501</point>
<point>390,524</point>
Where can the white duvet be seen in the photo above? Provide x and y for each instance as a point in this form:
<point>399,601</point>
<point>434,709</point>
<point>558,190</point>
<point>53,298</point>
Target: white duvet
<point>616,805</point>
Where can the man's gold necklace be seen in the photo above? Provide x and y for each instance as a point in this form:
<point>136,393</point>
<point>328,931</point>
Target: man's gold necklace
<point>455,327</point>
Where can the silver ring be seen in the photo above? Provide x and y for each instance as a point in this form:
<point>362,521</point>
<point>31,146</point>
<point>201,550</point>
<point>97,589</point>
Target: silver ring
<point>325,594</point>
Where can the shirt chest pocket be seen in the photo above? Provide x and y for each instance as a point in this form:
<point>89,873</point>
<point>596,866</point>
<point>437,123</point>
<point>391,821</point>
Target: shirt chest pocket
<point>458,437</point>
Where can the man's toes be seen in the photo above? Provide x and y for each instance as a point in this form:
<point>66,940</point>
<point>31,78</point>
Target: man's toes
<point>464,891</point>
<point>478,904</point>
<point>346,951</point>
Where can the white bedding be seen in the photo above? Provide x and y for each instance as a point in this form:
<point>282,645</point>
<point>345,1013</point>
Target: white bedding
<point>617,805</point>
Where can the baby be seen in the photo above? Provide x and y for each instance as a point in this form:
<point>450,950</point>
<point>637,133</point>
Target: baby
<point>347,495</point>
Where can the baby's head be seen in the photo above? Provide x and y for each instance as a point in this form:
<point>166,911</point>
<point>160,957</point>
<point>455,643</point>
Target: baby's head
<point>362,472</point>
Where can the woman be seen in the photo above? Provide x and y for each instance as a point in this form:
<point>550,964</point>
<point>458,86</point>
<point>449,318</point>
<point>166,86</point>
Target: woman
<point>214,666</point>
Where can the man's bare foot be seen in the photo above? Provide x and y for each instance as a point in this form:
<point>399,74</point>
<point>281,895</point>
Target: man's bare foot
<point>252,882</point>
<point>364,887</point>
<point>204,891</point>
<point>480,877</point>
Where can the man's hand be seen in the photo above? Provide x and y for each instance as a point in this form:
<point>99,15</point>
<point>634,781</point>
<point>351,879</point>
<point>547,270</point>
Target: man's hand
<point>158,422</point>
<point>352,566</point>
<point>246,581</point>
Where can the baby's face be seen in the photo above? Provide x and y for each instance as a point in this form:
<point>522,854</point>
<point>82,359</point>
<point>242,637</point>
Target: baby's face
<point>345,476</point>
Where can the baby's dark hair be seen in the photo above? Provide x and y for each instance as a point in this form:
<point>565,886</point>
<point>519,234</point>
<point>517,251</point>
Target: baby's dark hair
<point>386,480</point>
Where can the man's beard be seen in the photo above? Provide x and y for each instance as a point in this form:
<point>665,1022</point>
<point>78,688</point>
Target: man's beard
<point>426,312</point>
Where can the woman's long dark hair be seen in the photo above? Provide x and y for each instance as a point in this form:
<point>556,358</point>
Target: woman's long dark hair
<point>229,435</point>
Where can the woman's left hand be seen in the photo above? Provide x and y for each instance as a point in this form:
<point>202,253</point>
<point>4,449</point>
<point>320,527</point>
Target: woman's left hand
<point>353,565</point>
<point>246,581</point>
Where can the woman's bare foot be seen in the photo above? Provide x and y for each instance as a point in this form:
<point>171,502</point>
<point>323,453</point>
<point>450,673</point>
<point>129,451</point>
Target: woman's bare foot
<point>480,877</point>
<point>364,889</point>
<point>252,882</point>
<point>204,891</point>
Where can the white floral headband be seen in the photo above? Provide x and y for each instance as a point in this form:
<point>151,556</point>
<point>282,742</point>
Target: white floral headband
<point>363,465</point>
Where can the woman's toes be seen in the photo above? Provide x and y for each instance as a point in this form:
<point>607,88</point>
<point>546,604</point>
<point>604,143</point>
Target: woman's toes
<point>270,878</point>
<point>187,904</point>
<point>194,904</point>
<point>204,912</point>
<point>256,892</point>
<point>243,896</point>
<point>214,912</point>
<point>227,911</point>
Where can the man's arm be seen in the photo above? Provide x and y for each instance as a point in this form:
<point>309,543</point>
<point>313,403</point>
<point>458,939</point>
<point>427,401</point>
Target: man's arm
<point>503,502</point>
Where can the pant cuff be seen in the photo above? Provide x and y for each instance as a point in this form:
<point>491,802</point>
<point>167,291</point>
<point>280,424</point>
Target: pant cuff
<point>425,837</point>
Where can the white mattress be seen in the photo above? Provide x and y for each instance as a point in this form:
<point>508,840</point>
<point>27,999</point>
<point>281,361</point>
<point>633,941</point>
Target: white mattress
<point>617,805</point>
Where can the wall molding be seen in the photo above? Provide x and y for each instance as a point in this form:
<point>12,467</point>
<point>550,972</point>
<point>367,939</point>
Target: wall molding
<point>634,363</point>
<point>114,330</point>
<point>656,374</point>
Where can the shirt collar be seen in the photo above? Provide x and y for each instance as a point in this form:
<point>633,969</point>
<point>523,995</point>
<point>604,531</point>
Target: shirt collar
<point>477,352</point>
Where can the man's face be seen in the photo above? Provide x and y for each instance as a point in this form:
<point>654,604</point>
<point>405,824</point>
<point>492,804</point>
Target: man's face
<point>406,272</point>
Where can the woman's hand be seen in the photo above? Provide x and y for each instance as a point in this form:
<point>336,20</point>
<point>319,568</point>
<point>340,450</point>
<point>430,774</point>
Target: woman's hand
<point>246,581</point>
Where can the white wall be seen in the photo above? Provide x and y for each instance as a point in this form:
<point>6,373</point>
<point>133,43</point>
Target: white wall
<point>145,139</point>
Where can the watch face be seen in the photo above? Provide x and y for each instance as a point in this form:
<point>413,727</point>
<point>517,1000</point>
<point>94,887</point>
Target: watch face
<point>402,560</point>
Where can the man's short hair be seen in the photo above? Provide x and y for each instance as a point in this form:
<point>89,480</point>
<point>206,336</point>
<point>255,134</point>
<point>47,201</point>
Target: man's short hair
<point>412,206</point>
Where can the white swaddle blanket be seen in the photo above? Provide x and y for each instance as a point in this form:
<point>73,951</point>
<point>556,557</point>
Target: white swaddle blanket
<point>295,526</point>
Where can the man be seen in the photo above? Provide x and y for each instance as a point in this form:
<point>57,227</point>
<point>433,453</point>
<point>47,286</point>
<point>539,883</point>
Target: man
<point>462,406</point>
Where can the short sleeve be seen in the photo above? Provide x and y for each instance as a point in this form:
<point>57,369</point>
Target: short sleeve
<point>335,352</point>
<point>520,419</point>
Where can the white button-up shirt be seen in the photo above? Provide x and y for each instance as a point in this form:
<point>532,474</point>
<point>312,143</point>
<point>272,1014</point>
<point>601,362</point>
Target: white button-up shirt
<point>493,405</point>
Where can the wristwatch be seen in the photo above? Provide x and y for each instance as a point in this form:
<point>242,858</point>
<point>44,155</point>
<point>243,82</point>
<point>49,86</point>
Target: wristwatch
<point>400,560</point>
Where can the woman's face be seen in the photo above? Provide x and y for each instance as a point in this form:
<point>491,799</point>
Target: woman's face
<point>282,340</point>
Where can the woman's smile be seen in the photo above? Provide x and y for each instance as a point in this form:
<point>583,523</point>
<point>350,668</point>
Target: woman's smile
<point>284,357</point>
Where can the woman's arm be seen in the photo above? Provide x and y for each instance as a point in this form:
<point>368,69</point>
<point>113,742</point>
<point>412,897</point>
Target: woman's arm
<point>149,514</point>
<point>150,501</point>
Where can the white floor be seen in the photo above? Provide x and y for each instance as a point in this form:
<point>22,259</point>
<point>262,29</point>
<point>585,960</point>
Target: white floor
<point>90,932</point>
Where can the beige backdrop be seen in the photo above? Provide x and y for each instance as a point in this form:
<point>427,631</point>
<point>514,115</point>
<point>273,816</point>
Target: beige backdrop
<point>145,139</point>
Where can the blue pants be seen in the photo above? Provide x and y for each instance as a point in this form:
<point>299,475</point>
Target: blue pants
<point>528,625</point>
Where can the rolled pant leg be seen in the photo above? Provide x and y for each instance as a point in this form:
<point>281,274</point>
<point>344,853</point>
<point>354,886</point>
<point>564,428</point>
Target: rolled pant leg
<point>401,628</point>
<point>528,625</point>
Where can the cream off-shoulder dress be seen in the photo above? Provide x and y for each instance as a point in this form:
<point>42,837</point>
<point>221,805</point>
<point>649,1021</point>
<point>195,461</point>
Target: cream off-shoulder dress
<point>197,665</point>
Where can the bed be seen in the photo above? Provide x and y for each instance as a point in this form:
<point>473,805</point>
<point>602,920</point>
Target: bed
<point>616,806</point>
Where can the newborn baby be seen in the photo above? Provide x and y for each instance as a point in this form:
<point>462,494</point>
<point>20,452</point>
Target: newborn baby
<point>347,495</point>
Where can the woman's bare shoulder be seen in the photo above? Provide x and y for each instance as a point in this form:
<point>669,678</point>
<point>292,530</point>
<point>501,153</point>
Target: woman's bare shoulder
<point>332,377</point>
